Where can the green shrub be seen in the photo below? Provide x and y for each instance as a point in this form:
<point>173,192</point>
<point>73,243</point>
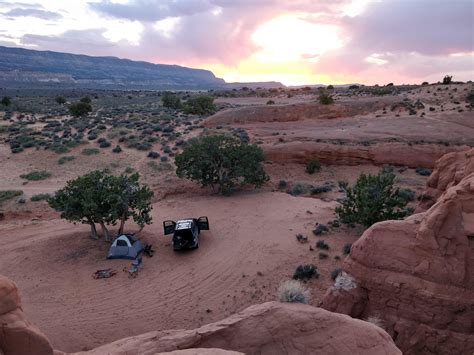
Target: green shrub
<point>447,79</point>
<point>300,188</point>
<point>65,159</point>
<point>323,256</point>
<point>60,100</point>
<point>6,101</point>
<point>153,155</point>
<point>325,98</point>
<point>407,194</point>
<point>321,244</point>
<point>270,102</point>
<point>199,105</point>
<point>9,194</point>
<point>117,149</point>
<point>40,197</point>
<point>59,148</point>
<point>80,108</point>
<point>90,151</point>
<point>313,166</point>
<point>171,100</point>
<point>293,291</point>
<point>372,199</point>
<point>36,175</point>
<point>306,271</point>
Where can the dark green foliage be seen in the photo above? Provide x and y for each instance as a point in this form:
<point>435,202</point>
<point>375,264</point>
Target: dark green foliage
<point>199,105</point>
<point>447,79</point>
<point>117,149</point>
<point>104,144</point>
<point>36,175</point>
<point>40,197</point>
<point>60,100</point>
<point>407,194</point>
<point>470,98</point>
<point>321,244</point>
<point>90,151</point>
<point>223,162</point>
<point>99,197</point>
<point>153,155</point>
<point>320,189</point>
<point>6,101</point>
<point>59,148</point>
<point>80,108</point>
<point>335,273</point>
<point>320,229</point>
<point>270,102</point>
<point>9,194</point>
<point>423,171</point>
<point>65,159</point>
<point>282,184</point>
<point>346,249</point>
<point>85,99</point>
<point>372,199</point>
<point>171,100</point>
<point>353,87</point>
<point>330,87</point>
<point>300,188</point>
<point>323,255</point>
<point>305,271</point>
<point>313,166</point>
<point>325,98</point>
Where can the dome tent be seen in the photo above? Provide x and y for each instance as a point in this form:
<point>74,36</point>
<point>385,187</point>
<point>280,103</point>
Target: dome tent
<point>125,246</point>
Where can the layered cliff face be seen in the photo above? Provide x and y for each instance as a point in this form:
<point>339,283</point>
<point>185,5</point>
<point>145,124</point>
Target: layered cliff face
<point>417,275</point>
<point>268,328</point>
<point>18,65</point>
<point>17,335</point>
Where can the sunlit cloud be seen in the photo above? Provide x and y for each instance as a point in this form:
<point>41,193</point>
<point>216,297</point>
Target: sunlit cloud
<point>296,42</point>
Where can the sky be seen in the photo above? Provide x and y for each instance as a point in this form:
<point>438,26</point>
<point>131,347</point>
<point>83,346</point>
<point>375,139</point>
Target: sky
<point>296,42</point>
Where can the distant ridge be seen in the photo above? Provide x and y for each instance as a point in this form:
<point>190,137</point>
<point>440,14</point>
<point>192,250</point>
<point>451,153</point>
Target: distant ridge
<point>20,67</point>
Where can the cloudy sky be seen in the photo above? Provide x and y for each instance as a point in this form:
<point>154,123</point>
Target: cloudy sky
<point>292,41</point>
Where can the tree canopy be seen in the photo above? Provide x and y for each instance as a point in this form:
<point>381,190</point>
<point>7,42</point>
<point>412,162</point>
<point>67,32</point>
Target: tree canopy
<point>222,162</point>
<point>200,105</point>
<point>171,100</point>
<point>101,198</point>
<point>80,108</point>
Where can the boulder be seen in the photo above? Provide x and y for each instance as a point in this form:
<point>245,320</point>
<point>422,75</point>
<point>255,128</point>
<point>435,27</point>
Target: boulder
<point>269,328</point>
<point>417,276</point>
<point>449,170</point>
<point>17,335</point>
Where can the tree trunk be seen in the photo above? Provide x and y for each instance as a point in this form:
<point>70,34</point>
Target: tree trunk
<point>122,223</point>
<point>105,232</point>
<point>93,231</point>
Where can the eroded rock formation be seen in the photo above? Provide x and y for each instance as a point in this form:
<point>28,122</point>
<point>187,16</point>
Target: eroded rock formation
<point>17,335</point>
<point>449,171</point>
<point>417,275</point>
<point>268,328</point>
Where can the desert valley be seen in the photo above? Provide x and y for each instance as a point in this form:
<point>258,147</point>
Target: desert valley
<point>340,218</point>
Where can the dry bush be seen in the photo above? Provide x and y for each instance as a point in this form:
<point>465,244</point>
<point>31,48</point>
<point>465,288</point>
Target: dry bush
<point>293,291</point>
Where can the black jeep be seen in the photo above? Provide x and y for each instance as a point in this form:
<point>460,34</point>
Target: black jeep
<point>186,232</point>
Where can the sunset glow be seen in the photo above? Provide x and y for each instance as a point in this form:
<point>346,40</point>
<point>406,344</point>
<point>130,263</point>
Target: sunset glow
<point>293,42</point>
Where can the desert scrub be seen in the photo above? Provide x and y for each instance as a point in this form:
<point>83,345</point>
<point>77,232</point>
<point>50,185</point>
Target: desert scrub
<point>321,244</point>
<point>346,249</point>
<point>300,188</point>
<point>372,199</point>
<point>305,271</point>
<point>335,273</point>
<point>293,291</point>
<point>65,159</point>
<point>313,166</point>
<point>9,194</point>
<point>40,197</point>
<point>36,175</point>
<point>90,151</point>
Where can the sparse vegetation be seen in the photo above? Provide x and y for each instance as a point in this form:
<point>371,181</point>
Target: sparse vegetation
<point>199,105</point>
<point>171,100</point>
<point>40,197</point>
<point>293,291</point>
<point>346,249</point>
<point>65,159</point>
<point>80,108</point>
<point>90,151</point>
<point>372,199</point>
<point>447,79</point>
<point>6,195</point>
<point>306,271</point>
<point>36,175</point>
<point>325,98</point>
<point>313,166</point>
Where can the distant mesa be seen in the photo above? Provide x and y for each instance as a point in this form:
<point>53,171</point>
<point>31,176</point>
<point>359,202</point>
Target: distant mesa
<point>26,68</point>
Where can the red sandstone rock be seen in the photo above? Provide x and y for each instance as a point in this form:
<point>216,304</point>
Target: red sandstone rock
<point>449,171</point>
<point>17,335</point>
<point>417,275</point>
<point>269,328</point>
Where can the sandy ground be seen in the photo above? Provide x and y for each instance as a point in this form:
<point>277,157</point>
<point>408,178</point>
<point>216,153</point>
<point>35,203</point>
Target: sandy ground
<point>249,250</point>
